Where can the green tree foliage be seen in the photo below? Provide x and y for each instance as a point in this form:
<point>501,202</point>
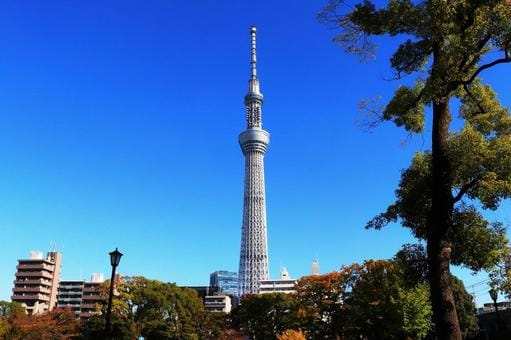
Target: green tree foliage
<point>381,307</point>
<point>94,328</point>
<point>500,277</point>
<point>380,299</point>
<point>448,45</point>
<point>211,325</point>
<point>466,309</point>
<point>264,316</point>
<point>163,310</point>
<point>412,263</point>
<point>375,300</point>
<point>8,311</point>
<point>415,312</point>
<point>156,310</point>
<point>320,297</point>
<point>475,242</point>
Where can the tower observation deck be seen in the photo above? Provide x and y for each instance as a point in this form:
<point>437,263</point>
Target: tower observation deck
<point>254,142</point>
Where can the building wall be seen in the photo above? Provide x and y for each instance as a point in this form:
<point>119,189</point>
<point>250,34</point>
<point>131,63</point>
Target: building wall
<point>83,297</point>
<point>56,258</point>
<point>36,282</point>
<point>218,303</point>
<point>70,295</point>
<point>92,298</point>
<point>277,286</point>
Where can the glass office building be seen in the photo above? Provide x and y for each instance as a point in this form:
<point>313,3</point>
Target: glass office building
<point>226,281</point>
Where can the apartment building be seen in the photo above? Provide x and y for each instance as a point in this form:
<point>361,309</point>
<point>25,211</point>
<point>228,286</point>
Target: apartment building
<point>36,282</point>
<point>82,297</point>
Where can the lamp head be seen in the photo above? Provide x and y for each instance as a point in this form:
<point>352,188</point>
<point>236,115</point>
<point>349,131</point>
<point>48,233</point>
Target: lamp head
<point>493,294</point>
<point>115,257</point>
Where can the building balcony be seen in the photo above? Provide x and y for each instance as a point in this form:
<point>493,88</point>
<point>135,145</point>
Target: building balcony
<point>93,289</point>
<point>69,299</point>
<point>32,282</point>
<point>61,303</point>
<point>44,274</point>
<point>64,292</point>
<point>86,315</point>
<point>31,290</point>
<point>96,297</point>
<point>35,266</point>
<point>74,307</point>
<point>33,297</point>
<point>70,289</point>
<point>88,306</point>
<point>214,305</point>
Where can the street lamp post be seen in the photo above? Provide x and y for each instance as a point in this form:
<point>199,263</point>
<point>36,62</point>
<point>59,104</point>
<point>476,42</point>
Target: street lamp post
<point>115,258</point>
<point>494,294</point>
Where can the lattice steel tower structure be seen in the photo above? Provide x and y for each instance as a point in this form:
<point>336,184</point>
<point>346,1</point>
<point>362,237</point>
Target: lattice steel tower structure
<point>253,141</point>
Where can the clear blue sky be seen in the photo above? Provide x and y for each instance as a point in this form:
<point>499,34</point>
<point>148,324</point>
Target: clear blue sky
<point>119,123</point>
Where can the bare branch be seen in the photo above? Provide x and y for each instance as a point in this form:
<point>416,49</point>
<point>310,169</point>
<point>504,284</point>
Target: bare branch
<point>408,138</point>
<point>372,114</point>
<point>336,15</point>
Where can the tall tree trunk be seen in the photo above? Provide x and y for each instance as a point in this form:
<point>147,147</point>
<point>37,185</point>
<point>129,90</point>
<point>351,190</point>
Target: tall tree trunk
<point>439,223</point>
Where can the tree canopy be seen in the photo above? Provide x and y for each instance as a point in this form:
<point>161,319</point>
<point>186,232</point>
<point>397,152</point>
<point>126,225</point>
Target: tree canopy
<point>265,316</point>
<point>57,324</point>
<point>379,299</point>
<point>157,310</point>
<point>321,300</point>
<point>448,45</point>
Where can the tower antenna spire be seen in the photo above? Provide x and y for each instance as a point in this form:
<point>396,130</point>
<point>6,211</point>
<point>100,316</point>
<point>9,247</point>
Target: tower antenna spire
<point>253,55</point>
<point>254,97</point>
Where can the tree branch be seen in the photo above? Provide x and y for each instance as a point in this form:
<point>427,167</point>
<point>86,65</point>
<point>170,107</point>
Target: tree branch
<point>478,47</point>
<point>506,59</point>
<point>477,102</point>
<point>372,112</point>
<point>464,189</point>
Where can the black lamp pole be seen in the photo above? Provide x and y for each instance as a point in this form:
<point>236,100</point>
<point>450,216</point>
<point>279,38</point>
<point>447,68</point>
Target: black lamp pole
<point>494,294</point>
<point>115,258</point>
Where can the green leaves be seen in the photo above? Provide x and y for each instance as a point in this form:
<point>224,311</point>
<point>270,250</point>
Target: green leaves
<point>481,108</point>
<point>406,108</point>
<point>382,306</point>
<point>320,301</point>
<point>9,309</point>
<point>461,32</point>
<point>415,311</point>
<point>266,315</point>
<point>449,43</point>
<point>413,198</point>
<point>399,17</point>
<point>379,299</point>
<point>484,175</point>
<point>465,308</point>
<point>356,26</point>
<point>158,309</point>
<point>411,56</point>
<point>476,243</point>
<point>501,24</point>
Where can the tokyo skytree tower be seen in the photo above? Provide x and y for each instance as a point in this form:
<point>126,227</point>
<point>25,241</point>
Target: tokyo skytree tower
<point>253,141</point>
